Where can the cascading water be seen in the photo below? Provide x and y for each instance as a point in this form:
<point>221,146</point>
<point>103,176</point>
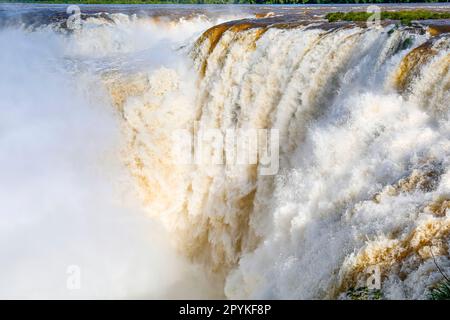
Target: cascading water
<point>363,121</point>
<point>71,224</point>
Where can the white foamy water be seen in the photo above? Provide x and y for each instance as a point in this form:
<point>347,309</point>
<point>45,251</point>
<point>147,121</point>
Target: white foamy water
<point>67,198</point>
<point>89,179</point>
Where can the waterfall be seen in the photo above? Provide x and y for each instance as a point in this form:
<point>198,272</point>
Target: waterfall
<point>362,115</point>
<point>349,137</point>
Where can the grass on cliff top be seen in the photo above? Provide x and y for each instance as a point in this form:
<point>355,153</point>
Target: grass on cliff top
<point>441,291</point>
<point>405,17</point>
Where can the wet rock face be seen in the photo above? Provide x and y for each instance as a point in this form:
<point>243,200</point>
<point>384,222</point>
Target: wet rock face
<point>438,29</point>
<point>410,65</point>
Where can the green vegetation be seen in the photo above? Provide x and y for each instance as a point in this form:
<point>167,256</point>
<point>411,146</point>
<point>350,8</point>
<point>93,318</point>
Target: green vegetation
<point>441,291</point>
<point>217,1</point>
<point>364,293</point>
<point>405,17</point>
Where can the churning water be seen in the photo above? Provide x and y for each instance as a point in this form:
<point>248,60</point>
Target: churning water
<point>89,181</point>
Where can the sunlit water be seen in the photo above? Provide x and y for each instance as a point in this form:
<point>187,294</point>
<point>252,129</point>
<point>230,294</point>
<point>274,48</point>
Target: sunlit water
<point>88,183</point>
